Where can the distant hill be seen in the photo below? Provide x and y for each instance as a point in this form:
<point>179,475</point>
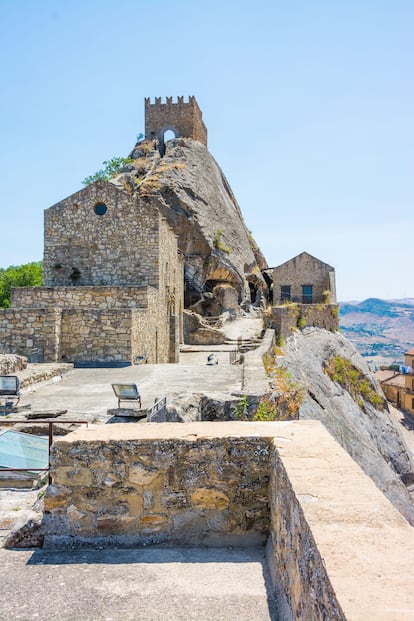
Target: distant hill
<point>382,330</point>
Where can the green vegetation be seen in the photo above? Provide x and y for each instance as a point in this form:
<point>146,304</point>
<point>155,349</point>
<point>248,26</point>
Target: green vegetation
<point>301,323</point>
<point>111,168</point>
<point>28,275</point>
<point>342,371</point>
<point>217,243</point>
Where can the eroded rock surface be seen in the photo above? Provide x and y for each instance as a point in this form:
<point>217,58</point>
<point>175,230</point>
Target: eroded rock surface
<point>191,191</point>
<point>368,434</point>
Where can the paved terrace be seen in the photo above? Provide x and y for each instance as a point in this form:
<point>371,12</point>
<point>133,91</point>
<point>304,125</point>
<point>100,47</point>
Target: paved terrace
<point>89,391</point>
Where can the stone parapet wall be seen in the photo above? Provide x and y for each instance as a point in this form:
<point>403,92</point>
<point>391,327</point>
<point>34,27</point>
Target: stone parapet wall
<point>255,380</point>
<point>23,329</point>
<point>337,548</point>
<point>100,298</point>
<point>299,574</point>
<point>287,318</point>
<point>187,489</point>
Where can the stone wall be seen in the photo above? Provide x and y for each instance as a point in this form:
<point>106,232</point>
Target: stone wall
<point>188,489</point>
<point>119,247</point>
<point>184,119</point>
<point>102,325</point>
<point>100,298</point>
<point>299,574</point>
<point>23,329</point>
<point>287,318</point>
<point>98,335</point>
<point>337,548</point>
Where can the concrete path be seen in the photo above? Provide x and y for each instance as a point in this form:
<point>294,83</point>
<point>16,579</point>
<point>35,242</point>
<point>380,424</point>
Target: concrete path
<point>215,584</point>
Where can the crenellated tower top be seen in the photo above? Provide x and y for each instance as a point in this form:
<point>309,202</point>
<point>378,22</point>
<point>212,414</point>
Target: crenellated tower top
<point>182,118</point>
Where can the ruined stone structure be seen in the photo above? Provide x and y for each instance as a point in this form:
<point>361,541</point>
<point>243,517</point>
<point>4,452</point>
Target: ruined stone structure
<point>114,284</point>
<point>183,119</point>
<point>304,279</point>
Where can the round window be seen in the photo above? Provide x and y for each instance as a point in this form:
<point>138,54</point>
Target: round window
<point>100,209</point>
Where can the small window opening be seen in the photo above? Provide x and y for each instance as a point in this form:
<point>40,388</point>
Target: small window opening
<point>100,209</point>
<point>307,294</point>
<point>285,293</point>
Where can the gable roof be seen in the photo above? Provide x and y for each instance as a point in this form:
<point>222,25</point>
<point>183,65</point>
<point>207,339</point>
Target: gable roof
<point>303,255</point>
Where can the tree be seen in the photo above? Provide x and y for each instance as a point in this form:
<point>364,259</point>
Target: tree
<point>28,275</point>
<point>111,168</point>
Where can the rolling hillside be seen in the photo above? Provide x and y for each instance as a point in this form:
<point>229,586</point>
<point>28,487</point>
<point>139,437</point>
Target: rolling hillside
<point>380,329</point>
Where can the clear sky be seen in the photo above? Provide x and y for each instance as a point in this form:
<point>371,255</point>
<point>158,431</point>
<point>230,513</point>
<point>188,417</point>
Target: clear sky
<point>308,105</point>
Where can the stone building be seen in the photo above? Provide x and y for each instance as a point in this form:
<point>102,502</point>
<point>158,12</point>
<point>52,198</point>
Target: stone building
<point>304,279</point>
<point>113,285</point>
<point>393,386</point>
<point>409,381</point>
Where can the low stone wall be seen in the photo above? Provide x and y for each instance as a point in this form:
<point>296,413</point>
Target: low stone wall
<point>91,324</point>
<point>100,298</point>
<point>190,489</point>
<point>299,575</point>
<point>337,548</point>
<point>22,329</point>
<point>255,381</point>
<point>287,318</point>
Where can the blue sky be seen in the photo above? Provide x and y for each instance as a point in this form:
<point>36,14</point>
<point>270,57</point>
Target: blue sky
<point>308,105</point>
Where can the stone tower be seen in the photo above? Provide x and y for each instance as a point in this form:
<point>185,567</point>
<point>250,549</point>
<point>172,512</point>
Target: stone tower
<point>183,119</point>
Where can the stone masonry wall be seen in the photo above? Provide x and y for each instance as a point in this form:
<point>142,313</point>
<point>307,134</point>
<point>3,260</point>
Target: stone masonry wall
<point>89,334</point>
<point>119,247</point>
<point>337,548</point>
<point>185,119</point>
<point>287,318</point>
<point>179,489</point>
<point>100,298</point>
<point>23,329</point>
<point>298,568</point>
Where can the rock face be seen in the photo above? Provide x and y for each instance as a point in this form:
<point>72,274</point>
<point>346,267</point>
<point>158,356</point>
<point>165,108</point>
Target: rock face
<point>192,193</point>
<point>368,434</point>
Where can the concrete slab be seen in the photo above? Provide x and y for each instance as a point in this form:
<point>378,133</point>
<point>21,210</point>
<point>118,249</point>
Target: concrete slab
<point>135,585</point>
<point>89,390</point>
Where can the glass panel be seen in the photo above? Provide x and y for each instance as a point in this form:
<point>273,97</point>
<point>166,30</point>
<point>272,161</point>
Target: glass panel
<point>285,293</point>
<point>126,391</point>
<point>21,450</point>
<point>8,385</point>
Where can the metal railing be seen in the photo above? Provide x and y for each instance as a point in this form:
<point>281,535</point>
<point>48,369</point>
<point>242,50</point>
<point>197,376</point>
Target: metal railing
<point>50,424</point>
<point>158,409</point>
<point>314,299</point>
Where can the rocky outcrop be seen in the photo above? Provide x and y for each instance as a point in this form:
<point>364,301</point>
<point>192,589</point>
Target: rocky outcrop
<point>367,433</point>
<point>196,332</point>
<point>11,363</point>
<point>191,191</point>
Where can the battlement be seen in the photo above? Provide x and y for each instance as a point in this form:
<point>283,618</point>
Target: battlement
<point>182,118</point>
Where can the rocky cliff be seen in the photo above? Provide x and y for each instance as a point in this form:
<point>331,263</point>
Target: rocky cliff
<point>366,431</point>
<point>191,191</point>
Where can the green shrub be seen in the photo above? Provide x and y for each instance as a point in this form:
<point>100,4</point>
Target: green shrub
<point>111,168</point>
<point>342,371</point>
